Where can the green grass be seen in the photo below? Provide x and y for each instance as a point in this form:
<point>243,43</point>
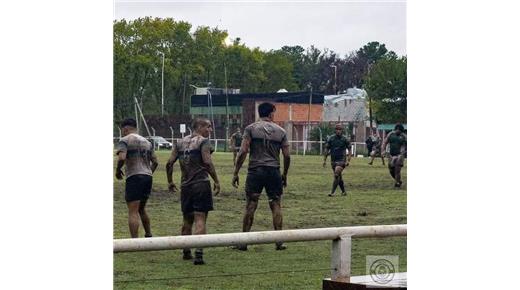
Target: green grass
<point>372,200</point>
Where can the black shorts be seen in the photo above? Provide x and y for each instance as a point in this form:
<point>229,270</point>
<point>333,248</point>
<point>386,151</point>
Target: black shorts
<point>138,187</point>
<point>196,197</point>
<point>376,151</point>
<point>264,176</point>
<point>338,163</point>
<point>396,160</point>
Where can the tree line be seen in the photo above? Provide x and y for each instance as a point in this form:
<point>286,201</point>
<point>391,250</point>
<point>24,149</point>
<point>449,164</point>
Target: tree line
<point>201,56</point>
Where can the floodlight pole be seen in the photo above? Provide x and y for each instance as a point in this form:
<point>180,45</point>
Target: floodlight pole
<point>162,85</point>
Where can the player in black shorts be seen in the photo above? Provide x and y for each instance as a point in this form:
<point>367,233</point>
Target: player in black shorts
<point>137,155</point>
<point>337,146</point>
<point>398,144</point>
<point>263,140</point>
<point>234,144</point>
<point>194,155</point>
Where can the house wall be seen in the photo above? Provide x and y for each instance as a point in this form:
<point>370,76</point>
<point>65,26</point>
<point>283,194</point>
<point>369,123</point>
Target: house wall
<point>349,110</point>
<point>297,112</point>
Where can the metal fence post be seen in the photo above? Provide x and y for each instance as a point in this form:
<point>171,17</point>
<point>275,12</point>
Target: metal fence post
<point>341,258</point>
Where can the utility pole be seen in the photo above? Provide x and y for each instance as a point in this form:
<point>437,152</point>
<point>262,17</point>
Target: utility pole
<point>308,119</point>
<point>369,98</point>
<point>184,93</point>
<point>136,116</point>
<point>335,78</point>
<point>142,116</point>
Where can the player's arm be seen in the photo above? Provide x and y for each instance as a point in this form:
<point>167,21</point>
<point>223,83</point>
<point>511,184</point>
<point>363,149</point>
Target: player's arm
<point>121,158</point>
<point>349,150</point>
<point>241,157</point>
<point>383,146</point>
<point>405,147</point>
<point>326,153</point>
<point>206,158</point>
<point>169,169</point>
<point>153,160</point>
<point>232,141</point>
<point>286,152</point>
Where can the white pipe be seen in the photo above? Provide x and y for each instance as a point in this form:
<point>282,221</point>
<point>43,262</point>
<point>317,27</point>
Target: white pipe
<point>266,237</point>
<point>321,140</point>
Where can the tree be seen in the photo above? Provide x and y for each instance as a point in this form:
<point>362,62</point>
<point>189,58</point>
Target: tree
<point>386,84</point>
<point>278,72</point>
<point>372,51</point>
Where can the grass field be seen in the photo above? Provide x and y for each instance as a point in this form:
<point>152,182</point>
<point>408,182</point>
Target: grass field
<point>372,200</point>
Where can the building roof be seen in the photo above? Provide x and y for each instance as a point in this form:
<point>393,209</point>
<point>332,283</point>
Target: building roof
<point>351,94</point>
<point>348,107</point>
<point>236,99</point>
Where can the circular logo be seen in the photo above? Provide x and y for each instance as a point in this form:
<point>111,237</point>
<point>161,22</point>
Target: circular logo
<point>382,271</point>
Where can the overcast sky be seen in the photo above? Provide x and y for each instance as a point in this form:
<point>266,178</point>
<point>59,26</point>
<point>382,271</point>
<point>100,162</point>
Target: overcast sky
<point>341,26</point>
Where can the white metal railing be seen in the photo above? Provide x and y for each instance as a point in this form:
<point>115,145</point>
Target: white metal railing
<point>300,147</point>
<point>341,242</point>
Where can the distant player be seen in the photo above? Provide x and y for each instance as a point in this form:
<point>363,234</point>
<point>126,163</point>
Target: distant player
<point>337,146</point>
<point>234,144</point>
<point>397,141</point>
<point>194,155</point>
<point>263,140</point>
<point>137,155</point>
<point>376,148</point>
<point>369,142</point>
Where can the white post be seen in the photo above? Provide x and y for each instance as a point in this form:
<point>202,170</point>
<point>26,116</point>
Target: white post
<point>340,261</point>
<point>153,131</point>
<point>172,133</point>
<point>210,102</point>
<point>296,139</point>
<point>304,142</point>
<point>119,132</point>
